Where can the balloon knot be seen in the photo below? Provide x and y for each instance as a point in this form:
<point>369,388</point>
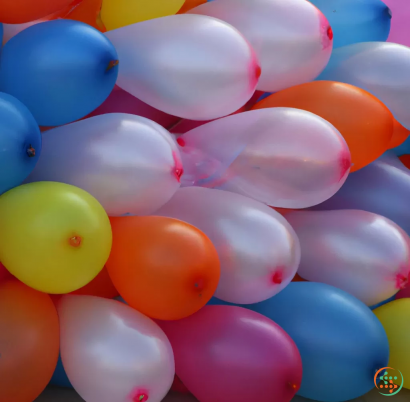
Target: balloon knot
<point>329,33</point>
<point>181,142</point>
<point>75,241</point>
<point>31,151</point>
<point>277,277</point>
<point>293,386</point>
<point>112,64</point>
<point>140,398</point>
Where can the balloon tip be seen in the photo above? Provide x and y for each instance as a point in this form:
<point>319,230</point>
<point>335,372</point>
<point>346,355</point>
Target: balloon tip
<point>178,168</point>
<point>75,241</point>
<point>277,278</point>
<point>402,281</point>
<point>181,142</point>
<point>31,152</point>
<point>329,33</point>
<point>140,398</point>
<point>258,71</point>
<point>112,64</point>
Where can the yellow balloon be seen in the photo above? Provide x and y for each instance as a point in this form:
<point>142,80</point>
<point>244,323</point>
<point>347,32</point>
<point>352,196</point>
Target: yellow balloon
<point>119,13</point>
<point>54,237</point>
<point>395,318</point>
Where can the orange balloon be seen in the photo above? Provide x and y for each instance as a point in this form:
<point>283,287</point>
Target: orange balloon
<point>22,11</point>
<point>190,4</point>
<point>400,135</point>
<point>100,286</point>
<point>29,340</point>
<point>365,123</point>
<point>165,268</point>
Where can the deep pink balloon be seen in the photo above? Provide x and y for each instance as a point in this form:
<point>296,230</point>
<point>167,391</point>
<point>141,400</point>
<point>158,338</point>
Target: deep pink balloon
<point>400,27</point>
<point>403,294</point>
<point>228,353</point>
<point>121,101</point>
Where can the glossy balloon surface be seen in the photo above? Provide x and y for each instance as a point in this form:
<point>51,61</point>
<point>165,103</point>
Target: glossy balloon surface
<point>20,11</point>
<point>20,142</point>
<point>118,13</point>
<point>190,66</point>
<point>228,341</point>
<point>359,252</point>
<point>162,267</point>
<point>377,67</point>
<point>76,80</point>
<point>355,21</point>
<point>280,156</point>
<point>292,39</point>
<point>395,317</point>
<point>112,352</point>
<point>365,123</point>
<point>330,327</point>
<point>54,237</point>
<point>258,250</point>
<point>129,163</point>
<point>383,188</point>
<point>400,28</point>
<point>29,339</point>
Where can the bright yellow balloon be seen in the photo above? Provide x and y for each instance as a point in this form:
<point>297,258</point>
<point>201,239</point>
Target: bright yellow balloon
<point>54,237</point>
<point>395,318</point>
<point>119,13</point>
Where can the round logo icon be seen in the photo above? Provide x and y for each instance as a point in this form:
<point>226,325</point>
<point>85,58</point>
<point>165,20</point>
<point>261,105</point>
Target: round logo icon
<point>388,381</point>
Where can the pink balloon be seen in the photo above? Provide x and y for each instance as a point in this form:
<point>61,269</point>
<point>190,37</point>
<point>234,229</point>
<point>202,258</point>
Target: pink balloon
<point>400,27</point>
<point>228,353</point>
<point>121,101</point>
<point>403,294</point>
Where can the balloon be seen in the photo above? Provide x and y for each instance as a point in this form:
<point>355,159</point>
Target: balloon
<point>120,101</point>
<point>60,377</point>
<point>258,250</point>
<point>76,80</point>
<point>383,302</point>
<point>4,274</point>
<point>1,34</point>
<point>129,163</point>
<point>20,11</point>
<point>383,188</point>
<point>292,39</point>
<point>404,293</point>
<point>399,32</point>
<point>111,352</point>
<point>280,156</point>
<point>181,278</point>
<point>359,252</point>
<point>189,5</point>
<point>377,67</point>
<point>190,66</point>
<point>11,30</point>
<point>395,317</point>
<point>355,21</point>
<point>243,356</point>
<point>20,142</point>
<point>364,122</point>
<point>119,13</point>
<point>338,337</point>
<point>405,160</point>
<point>29,339</point>
<point>400,135</point>
<point>53,237</point>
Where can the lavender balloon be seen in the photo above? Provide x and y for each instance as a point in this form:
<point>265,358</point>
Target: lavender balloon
<point>227,353</point>
<point>112,352</point>
<point>284,157</point>
<point>359,252</point>
<point>258,250</point>
<point>129,163</point>
<point>190,66</point>
<point>292,38</point>
<point>378,67</point>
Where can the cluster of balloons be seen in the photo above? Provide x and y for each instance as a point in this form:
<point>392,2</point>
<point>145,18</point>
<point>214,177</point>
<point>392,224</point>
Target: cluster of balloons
<point>204,196</point>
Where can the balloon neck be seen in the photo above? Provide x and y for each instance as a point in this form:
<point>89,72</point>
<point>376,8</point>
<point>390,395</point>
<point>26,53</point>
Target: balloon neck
<point>75,241</point>
<point>389,13</point>
<point>31,152</point>
<point>112,64</point>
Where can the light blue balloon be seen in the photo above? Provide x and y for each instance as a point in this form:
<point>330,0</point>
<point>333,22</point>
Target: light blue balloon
<point>61,70</point>
<point>20,142</point>
<point>60,377</point>
<point>341,341</point>
<point>355,21</point>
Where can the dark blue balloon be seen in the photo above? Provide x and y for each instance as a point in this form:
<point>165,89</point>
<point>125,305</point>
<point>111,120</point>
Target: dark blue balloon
<point>341,341</point>
<point>60,377</point>
<point>20,142</point>
<point>61,70</point>
<point>1,35</point>
<point>355,21</point>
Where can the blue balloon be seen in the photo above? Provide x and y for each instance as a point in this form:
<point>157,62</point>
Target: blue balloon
<point>383,303</point>
<point>61,70</point>
<point>60,377</point>
<point>355,21</point>
<point>20,142</point>
<point>341,341</point>
<point>403,149</point>
<point>1,35</point>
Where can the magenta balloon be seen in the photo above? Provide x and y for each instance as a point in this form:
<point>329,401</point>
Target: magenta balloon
<point>292,39</point>
<point>190,66</point>
<point>112,352</point>
<point>400,27</point>
<point>364,254</point>
<point>228,353</point>
<point>120,101</point>
<point>287,158</point>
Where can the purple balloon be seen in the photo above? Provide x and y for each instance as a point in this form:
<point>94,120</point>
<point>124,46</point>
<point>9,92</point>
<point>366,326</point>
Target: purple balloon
<point>228,353</point>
